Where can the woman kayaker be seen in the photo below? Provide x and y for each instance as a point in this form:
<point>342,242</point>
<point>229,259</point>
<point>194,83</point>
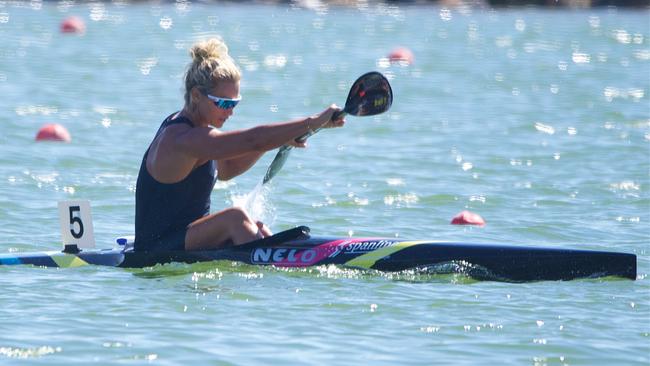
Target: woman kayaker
<point>189,152</point>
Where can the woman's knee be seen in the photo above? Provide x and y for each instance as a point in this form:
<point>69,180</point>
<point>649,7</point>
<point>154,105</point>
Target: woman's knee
<point>238,214</point>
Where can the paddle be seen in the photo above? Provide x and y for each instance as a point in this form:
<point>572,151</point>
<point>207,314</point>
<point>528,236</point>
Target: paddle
<point>371,94</point>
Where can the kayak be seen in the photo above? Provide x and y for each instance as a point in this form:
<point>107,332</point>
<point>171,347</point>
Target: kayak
<point>297,248</point>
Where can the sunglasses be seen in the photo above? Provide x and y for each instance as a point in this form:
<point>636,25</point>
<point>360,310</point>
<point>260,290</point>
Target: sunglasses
<point>224,103</point>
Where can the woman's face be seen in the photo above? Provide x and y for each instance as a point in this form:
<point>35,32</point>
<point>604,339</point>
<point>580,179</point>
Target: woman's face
<point>216,106</point>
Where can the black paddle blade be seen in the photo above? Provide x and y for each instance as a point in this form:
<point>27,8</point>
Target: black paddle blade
<point>371,94</point>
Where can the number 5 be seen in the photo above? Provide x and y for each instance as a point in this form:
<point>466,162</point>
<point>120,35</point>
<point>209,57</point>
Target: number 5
<point>76,223</point>
<point>75,217</point>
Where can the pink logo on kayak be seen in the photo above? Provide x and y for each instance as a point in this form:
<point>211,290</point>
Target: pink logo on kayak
<point>297,257</point>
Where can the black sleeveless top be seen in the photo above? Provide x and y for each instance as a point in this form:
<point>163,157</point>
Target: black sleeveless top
<point>163,211</point>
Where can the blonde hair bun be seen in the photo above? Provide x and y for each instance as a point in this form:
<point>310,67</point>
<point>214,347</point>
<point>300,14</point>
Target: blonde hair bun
<point>213,48</point>
<point>210,66</point>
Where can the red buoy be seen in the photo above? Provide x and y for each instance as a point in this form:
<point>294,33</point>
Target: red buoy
<point>401,55</point>
<point>53,132</point>
<point>73,25</point>
<point>467,218</point>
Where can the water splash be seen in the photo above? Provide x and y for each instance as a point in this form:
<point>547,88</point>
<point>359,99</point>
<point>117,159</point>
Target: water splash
<point>257,204</point>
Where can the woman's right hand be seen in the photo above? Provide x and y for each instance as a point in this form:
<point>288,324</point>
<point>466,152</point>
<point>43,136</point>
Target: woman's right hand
<point>324,118</point>
<point>321,120</point>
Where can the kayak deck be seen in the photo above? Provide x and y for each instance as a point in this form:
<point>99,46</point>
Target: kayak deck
<point>291,249</point>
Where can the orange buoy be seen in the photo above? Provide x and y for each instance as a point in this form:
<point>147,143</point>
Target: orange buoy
<point>467,218</point>
<point>73,25</point>
<point>53,132</point>
<point>401,55</point>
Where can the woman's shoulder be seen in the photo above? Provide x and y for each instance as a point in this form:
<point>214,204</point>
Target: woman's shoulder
<point>171,127</point>
<point>177,118</point>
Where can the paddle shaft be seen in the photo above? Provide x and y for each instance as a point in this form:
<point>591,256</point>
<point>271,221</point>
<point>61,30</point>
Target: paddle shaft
<point>370,94</point>
<point>283,153</point>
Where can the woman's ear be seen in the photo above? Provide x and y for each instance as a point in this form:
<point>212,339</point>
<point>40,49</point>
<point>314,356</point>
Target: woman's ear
<point>195,94</point>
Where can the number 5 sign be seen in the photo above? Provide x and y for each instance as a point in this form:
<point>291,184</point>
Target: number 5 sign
<point>76,223</point>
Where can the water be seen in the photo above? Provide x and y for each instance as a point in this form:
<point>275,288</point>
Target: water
<point>537,120</point>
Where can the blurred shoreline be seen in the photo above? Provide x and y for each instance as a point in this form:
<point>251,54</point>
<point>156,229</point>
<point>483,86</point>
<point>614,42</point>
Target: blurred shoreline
<point>641,4</point>
<point>572,4</point>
